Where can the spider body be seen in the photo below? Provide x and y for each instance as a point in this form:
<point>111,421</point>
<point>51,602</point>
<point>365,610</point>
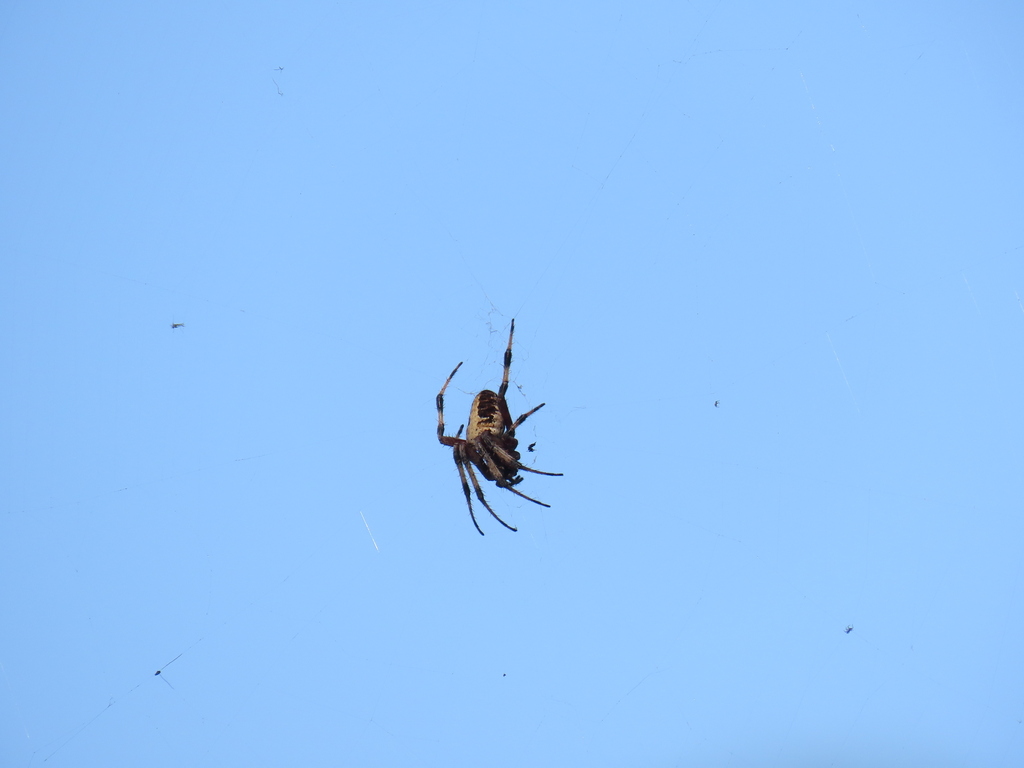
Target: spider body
<point>488,424</point>
<point>490,443</point>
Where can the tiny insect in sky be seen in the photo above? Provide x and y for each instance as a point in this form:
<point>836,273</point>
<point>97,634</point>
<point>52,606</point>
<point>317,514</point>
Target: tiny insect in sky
<point>716,403</point>
<point>490,443</point>
<point>848,629</point>
<point>161,670</point>
<point>530,447</point>
<point>177,325</point>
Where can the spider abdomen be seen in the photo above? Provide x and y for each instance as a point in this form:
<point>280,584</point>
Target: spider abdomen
<point>487,414</point>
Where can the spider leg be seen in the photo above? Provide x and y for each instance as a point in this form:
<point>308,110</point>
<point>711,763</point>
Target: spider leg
<point>508,487</point>
<point>508,361</point>
<point>487,445</point>
<point>508,458</point>
<point>522,418</point>
<point>480,496</point>
<point>459,461</point>
<point>440,405</point>
<point>538,472</point>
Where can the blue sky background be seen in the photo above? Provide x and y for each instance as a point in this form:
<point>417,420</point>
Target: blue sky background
<point>808,212</point>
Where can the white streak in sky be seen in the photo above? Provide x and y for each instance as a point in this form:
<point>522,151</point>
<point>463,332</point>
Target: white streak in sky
<point>369,531</point>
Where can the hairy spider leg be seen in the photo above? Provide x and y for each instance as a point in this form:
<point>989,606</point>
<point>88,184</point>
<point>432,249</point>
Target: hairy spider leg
<point>508,362</point>
<point>538,472</point>
<point>521,419</point>
<point>440,407</point>
<point>508,487</point>
<point>479,491</point>
<point>465,488</point>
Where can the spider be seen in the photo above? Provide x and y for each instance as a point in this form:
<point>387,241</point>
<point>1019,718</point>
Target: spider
<point>490,443</point>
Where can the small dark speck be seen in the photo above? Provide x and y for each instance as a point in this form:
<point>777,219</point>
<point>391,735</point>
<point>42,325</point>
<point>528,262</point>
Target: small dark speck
<point>530,447</point>
<point>158,672</point>
<point>848,629</point>
<point>502,674</point>
<point>717,402</point>
<point>177,325</point>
